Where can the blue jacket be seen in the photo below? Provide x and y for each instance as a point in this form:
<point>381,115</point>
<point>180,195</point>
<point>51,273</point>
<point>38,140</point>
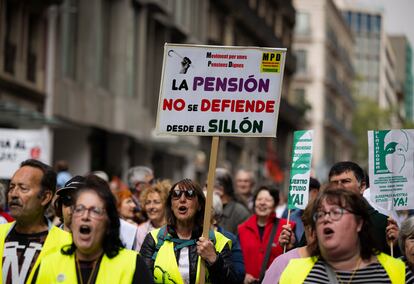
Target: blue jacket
<point>236,254</point>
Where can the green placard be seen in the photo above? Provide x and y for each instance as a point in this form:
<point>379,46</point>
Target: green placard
<point>300,169</point>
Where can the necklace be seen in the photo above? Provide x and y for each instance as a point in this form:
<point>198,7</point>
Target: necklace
<point>352,275</point>
<point>79,271</point>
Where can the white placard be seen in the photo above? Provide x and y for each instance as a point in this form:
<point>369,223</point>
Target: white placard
<point>220,91</point>
<point>391,168</point>
<point>18,145</point>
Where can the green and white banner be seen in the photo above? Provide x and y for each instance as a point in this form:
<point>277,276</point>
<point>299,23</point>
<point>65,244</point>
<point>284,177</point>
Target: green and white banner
<point>391,168</point>
<point>300,169</point>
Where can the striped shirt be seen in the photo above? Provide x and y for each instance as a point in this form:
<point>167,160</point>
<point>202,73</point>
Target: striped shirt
<point>371,274</point>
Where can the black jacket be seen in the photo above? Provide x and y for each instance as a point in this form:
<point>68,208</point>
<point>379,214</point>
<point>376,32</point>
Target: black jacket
<point>221,271</point>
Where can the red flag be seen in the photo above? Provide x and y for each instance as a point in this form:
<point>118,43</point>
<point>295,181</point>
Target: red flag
<point>272,165</point>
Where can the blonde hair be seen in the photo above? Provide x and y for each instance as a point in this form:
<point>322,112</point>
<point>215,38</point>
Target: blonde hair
<point>161,187</point>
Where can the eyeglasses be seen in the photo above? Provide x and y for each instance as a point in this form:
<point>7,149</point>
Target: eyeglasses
<point>66,200</point>
<point>335,214</point>
<point>189,194</point>
<point>94,212</point>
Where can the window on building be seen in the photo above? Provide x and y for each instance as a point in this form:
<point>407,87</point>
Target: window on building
<point>102,52</point>
<point>301,61</point>
<point>330,148</point>
<point>330,107</point>
<point>369,20</point>
<point>11,37</point>
<point>131,52</point>
<point>363,22</point>
<point>69,38</point>
<point>302,25</point>
<point>348,17</point>
<point>377,24</point>
<point>358,22</point>
<point>32,41</point>
<point>299,95</point>
<point>300,101</point>
<point>156,37</point>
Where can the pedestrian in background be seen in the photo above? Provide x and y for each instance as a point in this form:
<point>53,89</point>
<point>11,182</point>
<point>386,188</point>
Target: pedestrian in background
<point>154,202</point>
<point>234,211</point>
<point>259,235</point>
<point>63,175</point>
<point>64,201</point>
<point>245,186</point>
<point>406,243</point>
<point>126,206</point>
<point>32,235</point>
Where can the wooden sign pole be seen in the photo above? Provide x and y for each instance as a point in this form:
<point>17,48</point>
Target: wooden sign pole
<point>209,199</point>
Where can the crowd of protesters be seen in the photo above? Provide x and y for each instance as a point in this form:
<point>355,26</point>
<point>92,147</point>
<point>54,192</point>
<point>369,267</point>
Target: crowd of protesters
<point>148,230</point>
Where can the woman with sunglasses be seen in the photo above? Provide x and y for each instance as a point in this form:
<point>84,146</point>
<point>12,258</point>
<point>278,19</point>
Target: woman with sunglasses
<point>96,254</point>
<point>346,251</point>
<point>174,251</point>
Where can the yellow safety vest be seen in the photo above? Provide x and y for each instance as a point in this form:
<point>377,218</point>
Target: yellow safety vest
<point>56,238</point>
<point>299,268</point>
<point>60,268</point>
<point>165,266</point>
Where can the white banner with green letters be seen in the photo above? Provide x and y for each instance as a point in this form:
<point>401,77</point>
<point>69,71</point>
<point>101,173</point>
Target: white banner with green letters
<point>391,168</point>
<point>300,169</point>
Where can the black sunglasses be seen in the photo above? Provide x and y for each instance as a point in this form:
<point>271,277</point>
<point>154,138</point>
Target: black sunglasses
<point>189,194</point>
<point>66,200</point>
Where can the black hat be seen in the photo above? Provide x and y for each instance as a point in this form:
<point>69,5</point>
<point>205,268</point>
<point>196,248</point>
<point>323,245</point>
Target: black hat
<point>73,184</point>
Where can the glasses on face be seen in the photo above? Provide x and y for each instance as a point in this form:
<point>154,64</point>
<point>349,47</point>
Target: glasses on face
<point>189,194</point>
<point>335,214</point>
<point>94,212</point>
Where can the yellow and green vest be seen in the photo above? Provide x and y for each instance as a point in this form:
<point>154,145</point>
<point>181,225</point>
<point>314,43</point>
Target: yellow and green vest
<point>60,268</point>
<point>55,239</point>
<point>165,266</point>
<point>299,268</point>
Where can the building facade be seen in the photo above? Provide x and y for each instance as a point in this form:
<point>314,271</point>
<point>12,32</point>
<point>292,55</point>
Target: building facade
<point>323,45</point>
<point>98,70</point>
<point>374,60</point>
<point>404,72</point>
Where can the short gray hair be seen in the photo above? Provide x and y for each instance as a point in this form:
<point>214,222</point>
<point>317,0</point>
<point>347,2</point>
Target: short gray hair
<point>137,174</point>
<point>406,230</point>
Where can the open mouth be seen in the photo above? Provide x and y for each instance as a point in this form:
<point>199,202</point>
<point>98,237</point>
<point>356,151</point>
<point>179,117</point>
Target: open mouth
<point>328,231</point>
<point>182,209</point>
<point>84,229</point>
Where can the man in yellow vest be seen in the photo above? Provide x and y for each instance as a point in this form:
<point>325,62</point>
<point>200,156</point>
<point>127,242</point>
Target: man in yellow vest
<point>26,241</point>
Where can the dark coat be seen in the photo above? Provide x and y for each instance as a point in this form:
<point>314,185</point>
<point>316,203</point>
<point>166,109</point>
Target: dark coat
<point>221,271</point>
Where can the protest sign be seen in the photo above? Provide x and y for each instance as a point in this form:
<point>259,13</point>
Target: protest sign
<point>18,145</point>
<point>391,168</point>
<point>300,169</point>
<point>220,91</point>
